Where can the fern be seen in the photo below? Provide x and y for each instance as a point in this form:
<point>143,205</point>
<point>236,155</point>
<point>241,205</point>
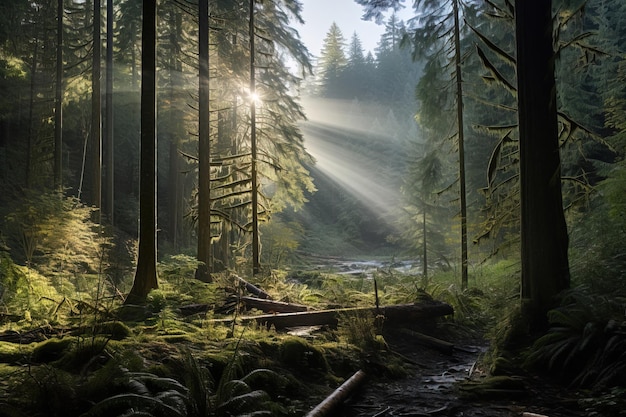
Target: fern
<point>586,343</point>
<point>149,395</point>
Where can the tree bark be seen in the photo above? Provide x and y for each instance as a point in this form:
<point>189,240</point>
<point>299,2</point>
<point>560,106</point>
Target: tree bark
<point>256,264</point>
<point>145,275</point>
<point>460,127</point>
<point>203,272</point>
<point>96,111</point>
<point>545,269</point>
<point>330,404</point>
<point>253,289</point>
<point>110,157</point>
<point>58,106</point>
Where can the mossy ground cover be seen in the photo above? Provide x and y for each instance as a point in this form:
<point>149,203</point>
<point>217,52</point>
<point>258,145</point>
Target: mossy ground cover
<point>107,341</point>
<point>104,349</point>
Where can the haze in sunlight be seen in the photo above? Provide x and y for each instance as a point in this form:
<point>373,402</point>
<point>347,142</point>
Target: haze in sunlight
<point>336,136</point>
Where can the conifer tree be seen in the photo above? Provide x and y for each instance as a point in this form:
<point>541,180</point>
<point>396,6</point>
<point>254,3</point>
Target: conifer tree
<point>354,78</point>
<point>331,63</point>
<point>146,274</point>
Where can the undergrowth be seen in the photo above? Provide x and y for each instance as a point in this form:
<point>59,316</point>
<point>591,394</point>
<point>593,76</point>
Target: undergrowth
<point>586,343</point>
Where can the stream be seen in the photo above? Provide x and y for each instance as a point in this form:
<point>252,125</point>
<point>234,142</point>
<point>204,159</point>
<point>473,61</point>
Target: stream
<point>432,388</point>
<point>429,390</point>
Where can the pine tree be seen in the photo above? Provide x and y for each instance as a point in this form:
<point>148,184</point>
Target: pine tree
<point>331,63</point>
<point>356,78</point>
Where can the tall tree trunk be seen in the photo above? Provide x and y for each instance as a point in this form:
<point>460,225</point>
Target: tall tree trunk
<point>424,248</point>
<point>460,126</point>
<point>31,111</point>
<point>545,268</point>
<point>110,157</point>
<point>96,110</point>
<point>256,265</point>
<point>175,131</point>
<point>145,275</point>
<point>58,110</point>
<point>204,168</point>
<point>174,195</point>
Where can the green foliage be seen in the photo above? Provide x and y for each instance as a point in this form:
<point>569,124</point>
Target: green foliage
<point>280,242</point>
<point>586,343</point>
<point>362,330</point>
<point>597,239</point>
<point>56,237</point>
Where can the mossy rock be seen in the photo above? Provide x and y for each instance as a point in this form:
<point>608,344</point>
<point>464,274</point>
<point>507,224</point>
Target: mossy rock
<point>51,350</point>
<point>297,353</point>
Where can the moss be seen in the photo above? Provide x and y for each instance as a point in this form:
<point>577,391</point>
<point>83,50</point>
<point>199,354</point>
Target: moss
<point>84,353</point>
<point>115,329</point>
<point>297,353</point>
<point>502,366</point>
<point>176,338</point>
<point>136,313</point>
<point>13,353</point>
<point>51,350</point>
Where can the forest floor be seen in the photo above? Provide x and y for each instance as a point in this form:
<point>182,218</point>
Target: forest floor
<point>441,384</point>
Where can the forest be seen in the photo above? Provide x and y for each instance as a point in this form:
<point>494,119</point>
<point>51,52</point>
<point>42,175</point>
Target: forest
<point>201,217</point>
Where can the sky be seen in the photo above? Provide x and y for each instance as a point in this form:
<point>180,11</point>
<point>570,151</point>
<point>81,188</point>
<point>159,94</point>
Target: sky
<point>319,16</point>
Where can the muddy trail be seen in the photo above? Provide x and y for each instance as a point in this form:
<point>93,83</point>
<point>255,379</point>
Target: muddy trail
<point>441,384</point>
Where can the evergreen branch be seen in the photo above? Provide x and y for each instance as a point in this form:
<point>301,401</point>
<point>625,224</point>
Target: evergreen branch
<point>507,58</point>
<point>494,71</point>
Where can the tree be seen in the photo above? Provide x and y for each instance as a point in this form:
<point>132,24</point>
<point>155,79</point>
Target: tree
<point>439,39</point>
<point>146,274</point>
<point>545,266</point>
<point>331,63</point>
<point>96,108</point>
<point>204,152</point>
<point>256,256</point>
<point>280,153</point>
<point>110,157</point>
<point>58,108</point>
<point>545,270</point>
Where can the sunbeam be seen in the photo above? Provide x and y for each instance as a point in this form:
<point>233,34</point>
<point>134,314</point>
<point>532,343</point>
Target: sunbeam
<point>352,148</point>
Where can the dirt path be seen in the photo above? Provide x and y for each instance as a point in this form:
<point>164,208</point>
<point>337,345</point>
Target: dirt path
<point>432,389</point>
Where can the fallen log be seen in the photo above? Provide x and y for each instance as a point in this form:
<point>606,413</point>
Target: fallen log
<point>192,309</point>
<point>267,306</point>
<point>394,314</point>
<point>338,396</point>
<point>271,306</point>
<point>252,289</point>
